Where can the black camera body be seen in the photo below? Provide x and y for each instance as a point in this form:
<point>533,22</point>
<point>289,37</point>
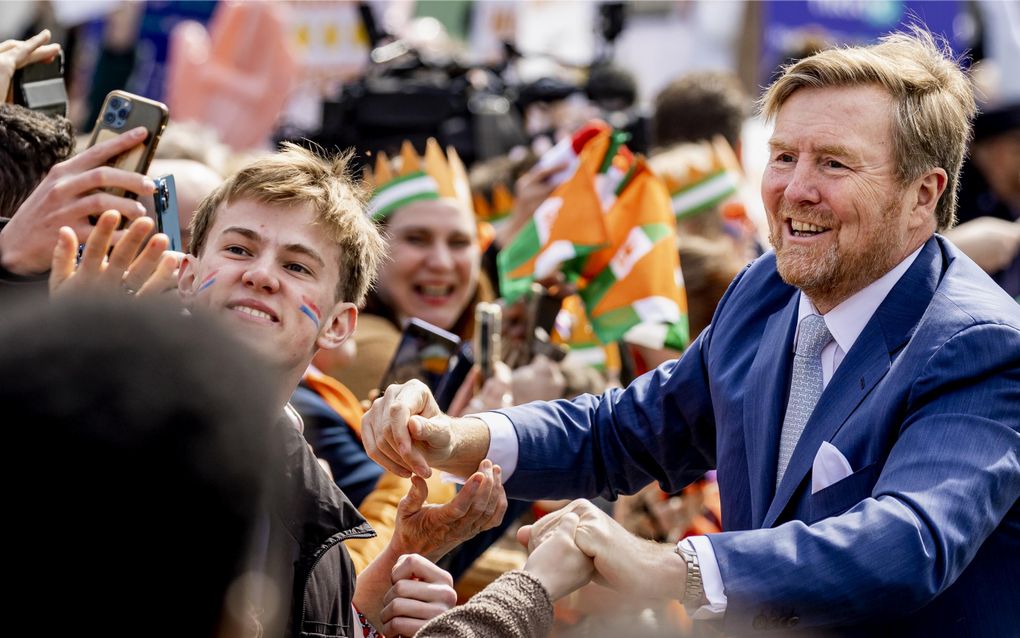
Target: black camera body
<point>40,87</point>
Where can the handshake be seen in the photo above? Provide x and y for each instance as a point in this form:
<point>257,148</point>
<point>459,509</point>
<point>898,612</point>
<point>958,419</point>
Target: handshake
<point>580,542</point>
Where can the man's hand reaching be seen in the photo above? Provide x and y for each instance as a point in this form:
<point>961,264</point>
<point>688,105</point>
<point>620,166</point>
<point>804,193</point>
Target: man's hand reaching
<point>624,562</point>
<point>406,433</point>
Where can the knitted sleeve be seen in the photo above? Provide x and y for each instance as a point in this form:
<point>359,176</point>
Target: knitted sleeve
<point>515,605</point>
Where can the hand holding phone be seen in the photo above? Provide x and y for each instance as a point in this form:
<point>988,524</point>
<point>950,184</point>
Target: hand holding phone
<point>123,111</point>
<point>68,196</point>
<point>168,220</point>
<point>488,335</point>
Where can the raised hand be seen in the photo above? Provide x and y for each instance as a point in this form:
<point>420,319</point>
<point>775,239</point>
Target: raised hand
<point>421,591</point>
<point>15,54</point>
<point>433,530</point>
<point>68,196</point>
<point>125,270</point>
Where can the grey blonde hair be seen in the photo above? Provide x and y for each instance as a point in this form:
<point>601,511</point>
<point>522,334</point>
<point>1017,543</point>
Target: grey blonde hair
<point>934,101</point>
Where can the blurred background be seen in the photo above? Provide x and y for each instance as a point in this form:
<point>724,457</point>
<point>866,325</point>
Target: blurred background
<point>485,76</point>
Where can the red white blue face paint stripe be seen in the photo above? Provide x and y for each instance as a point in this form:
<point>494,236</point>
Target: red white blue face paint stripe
<point>311,311</point>
<point>208,281</point>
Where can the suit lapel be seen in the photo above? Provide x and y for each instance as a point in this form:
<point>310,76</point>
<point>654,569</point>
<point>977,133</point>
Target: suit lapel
<point>865,365</point>
<point>764,401</point>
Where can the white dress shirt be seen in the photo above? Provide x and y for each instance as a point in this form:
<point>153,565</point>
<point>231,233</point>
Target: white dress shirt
<point>845,322</point>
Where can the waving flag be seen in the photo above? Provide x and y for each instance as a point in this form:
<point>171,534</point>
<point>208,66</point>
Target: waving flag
<point>634,288</point>
<point>566,226</point>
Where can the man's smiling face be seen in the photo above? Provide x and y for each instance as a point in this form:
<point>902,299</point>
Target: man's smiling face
<point>838,216</point>
<point>272,274</point>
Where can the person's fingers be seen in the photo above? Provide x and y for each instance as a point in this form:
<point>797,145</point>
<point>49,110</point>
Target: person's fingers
<point>497,500</point>
<point>415,566</point>
<point>64,255</point>
<point>98,244</point>
<point>398,404</point>
<point>88,206</point>
<point>125,250</point>
<point>101,153</point>
<point>460,505</point>
<point>106,177</point>
<point>409,607</point>
<point>411,399</point>
<point>542,174</point>
<point>373,438</point>
<point>475,507</point>
<point>387,457</point>
<point>524,535</point>
<point>164,278</point>
<point>415,497</point>
<point>543,528</point>
<point>144,265</point>
<point>567,527</point>
<point>23,50</point>
<point>44,53</point>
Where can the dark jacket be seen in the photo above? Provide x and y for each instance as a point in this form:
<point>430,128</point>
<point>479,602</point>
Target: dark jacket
<point>310,523</point>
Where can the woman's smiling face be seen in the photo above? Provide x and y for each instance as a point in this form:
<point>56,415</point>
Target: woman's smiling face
<point>434,261</point>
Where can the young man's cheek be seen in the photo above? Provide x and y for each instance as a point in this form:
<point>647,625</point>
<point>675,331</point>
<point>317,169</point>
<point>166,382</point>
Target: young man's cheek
<point>310,310</point>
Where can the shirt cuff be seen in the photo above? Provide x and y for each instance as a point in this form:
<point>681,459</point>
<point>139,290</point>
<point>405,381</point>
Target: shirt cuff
<point>711,578</point>
<point>503,447</point>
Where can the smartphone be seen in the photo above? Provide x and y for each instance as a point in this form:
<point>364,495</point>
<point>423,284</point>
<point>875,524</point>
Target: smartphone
<point>488,329</point>
<point>460,366</point>
<point>424,353</point>
<point>123,111</point>
<point>542,307</point>
<point>168,220</point>
<point>40,86</point>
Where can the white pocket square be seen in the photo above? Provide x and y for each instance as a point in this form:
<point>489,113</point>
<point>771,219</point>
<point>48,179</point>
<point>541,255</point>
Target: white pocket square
<point>829,467</point>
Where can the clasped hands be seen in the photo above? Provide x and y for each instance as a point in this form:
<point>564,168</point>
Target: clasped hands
<point>407,433</point>
<point>580,542</point>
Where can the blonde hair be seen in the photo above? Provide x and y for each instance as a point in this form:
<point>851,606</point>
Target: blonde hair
<point>297,176</point>
<point>934,101</point>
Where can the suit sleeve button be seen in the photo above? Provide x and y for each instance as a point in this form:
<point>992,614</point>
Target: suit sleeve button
<point>792,621</point>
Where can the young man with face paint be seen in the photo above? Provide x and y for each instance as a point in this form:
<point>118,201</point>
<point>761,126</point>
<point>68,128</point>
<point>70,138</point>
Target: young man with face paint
<point>283,253</point>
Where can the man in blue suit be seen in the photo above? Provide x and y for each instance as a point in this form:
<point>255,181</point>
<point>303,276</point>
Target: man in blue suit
<point>858,389</point>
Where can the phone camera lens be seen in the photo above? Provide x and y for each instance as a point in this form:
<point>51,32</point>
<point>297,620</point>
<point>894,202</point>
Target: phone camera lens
<point>116,103</point>
<point>108,118</point>
<point>122,113</point>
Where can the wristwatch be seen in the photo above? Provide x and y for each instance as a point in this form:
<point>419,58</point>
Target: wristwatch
<point>694,591</point>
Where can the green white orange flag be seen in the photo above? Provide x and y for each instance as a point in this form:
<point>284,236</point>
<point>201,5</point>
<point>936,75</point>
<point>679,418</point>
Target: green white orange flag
<point>566,226</point>
<point>634,288</point>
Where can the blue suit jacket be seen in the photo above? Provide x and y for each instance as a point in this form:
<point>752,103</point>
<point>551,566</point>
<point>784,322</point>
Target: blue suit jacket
<point>922,539</point>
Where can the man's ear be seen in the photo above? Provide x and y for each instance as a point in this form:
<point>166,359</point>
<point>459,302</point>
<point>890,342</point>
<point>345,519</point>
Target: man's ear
<point>338,326</point>
<point>187,276</point>
<point>929,188</point>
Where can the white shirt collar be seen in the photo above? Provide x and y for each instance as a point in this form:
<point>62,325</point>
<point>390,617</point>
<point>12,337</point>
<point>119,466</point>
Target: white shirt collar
<point>847,320</point>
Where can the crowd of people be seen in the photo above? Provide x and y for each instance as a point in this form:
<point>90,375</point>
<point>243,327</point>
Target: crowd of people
<point>808,423</point>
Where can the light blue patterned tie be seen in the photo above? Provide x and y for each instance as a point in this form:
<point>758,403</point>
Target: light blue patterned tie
<point>805,387</point>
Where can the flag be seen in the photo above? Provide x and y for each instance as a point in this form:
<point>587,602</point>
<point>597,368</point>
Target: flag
<point>634,287</point>
<point>566,227</point>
